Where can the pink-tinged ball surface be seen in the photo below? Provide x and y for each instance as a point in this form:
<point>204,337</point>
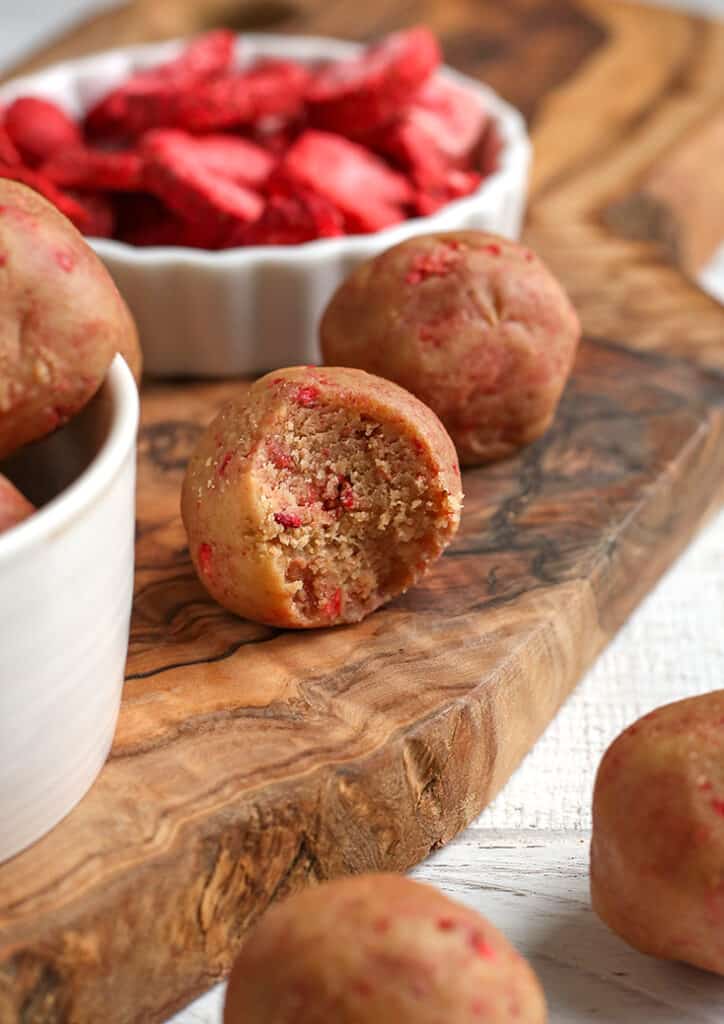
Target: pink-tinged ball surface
<point>379,949</point>
<point>657,851</point>
<point>61,319</point>
<point>473,324</point>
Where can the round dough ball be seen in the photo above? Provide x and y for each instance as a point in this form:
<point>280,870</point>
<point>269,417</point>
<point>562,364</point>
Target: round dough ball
<point>379,949</point>
<point>473,324</point>
<point>318,495</point>
<point>14,506</point>
<point>657,852</point>
<point>61,319</point>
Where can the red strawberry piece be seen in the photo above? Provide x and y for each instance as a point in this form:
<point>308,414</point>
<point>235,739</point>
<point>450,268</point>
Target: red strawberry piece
<point>8,152</point>
<point>171,230</point>
<point>195,193</point>
<point>355,97</point>
<point>269,89</point>
<point>226,155</point>
<point>148,99</point>
<point>81,167</point>
<point>451,116</point>
<point>293,218</point>
<point>38,128</point>
<point>368,192</point>
<point>452,185</point>
<point>435,141</point>
<point>99,214</point>
<point>67,205</point>
<point>207,55</point>
<point>143,219</point>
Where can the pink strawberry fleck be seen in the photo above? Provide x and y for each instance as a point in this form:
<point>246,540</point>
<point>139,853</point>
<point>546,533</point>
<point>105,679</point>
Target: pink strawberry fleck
<point>204,556</point>
<point>64,260</point>
<point>346,493</point>
<point>437,263</point>
<point>333,607</point>
<point>481,946</point>
<point>287,519</point>
<point>306,396</point>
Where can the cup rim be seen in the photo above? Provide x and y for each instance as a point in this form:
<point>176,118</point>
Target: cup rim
<point>75,499</point>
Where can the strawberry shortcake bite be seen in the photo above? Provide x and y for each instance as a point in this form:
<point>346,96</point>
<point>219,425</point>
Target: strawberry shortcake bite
<point>473,324</point>
<point>318,495</point>
<point>379,949</point>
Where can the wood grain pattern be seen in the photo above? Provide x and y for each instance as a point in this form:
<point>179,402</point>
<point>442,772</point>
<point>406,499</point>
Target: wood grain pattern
<point>249,761</point>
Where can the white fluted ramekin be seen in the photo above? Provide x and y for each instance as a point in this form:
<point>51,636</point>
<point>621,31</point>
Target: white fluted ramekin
<point>66,582</point>
<point>248,310</point>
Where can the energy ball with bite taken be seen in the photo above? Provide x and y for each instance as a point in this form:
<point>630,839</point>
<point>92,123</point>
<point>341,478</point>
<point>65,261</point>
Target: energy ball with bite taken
<point>657,852</point>
<point>318,495</point>
<point>61,319</point>
<point>379,949</point>
<point>473,324</point>
<point>14,506</point>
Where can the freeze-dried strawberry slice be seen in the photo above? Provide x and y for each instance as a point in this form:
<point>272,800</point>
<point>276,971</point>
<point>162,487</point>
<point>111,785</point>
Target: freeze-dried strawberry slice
<point>453,185</point>
<point>270,88</point>
<point>38,128</point>
<point>195,193</point>
<point>8,152</point>
<point>451,117</point>
<point>85,168</point>
<point>226,155</point>
<point>149,98</point>
<point>355,97</point>
<point>442,129</point>
<point>290,218</point>
<point>207,55</point>
<point>99,220</point>
<point>362,186</point>
<point>170,230</point>
<point>67,205</point>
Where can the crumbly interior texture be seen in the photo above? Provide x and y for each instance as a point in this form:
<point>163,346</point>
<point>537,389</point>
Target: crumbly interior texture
<point>379,949</point>
<point>657,848</point>
<point>319,496</point>
<point>350,507</point>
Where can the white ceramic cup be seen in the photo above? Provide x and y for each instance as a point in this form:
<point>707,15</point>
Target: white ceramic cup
<point>66,583</point>
<point>248,310</point>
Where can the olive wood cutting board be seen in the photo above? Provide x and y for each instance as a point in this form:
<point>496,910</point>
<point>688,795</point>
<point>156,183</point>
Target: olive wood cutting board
<point>249,761</point>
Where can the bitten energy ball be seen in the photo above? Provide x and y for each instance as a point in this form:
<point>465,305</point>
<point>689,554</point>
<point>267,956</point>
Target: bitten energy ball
<point>473,324</point>
<point>657,853</point>
<point>379,949</point>
<point>318,495</point>
<point>61,319</point>
<point>14,506</point>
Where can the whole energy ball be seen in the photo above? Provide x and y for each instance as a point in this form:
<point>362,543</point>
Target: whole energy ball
<point>61,319</point>
<point>318,495</point>
<point>657,852</point>
<point>379,949</point>
<point>473,324</point>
